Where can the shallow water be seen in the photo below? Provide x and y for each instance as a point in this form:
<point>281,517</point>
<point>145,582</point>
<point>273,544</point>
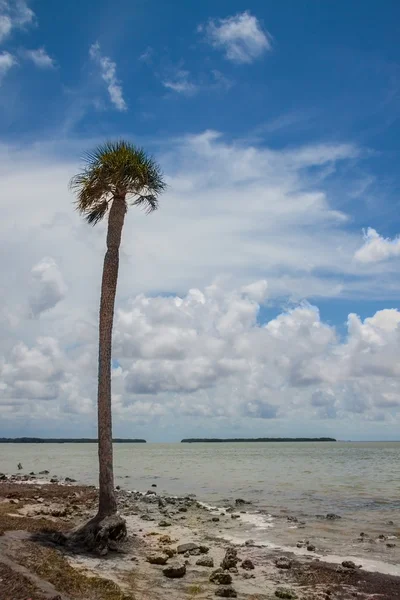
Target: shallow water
<point>358,481</point>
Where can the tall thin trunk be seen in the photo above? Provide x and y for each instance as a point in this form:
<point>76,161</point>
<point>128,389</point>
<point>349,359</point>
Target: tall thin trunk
<point>107,500</point>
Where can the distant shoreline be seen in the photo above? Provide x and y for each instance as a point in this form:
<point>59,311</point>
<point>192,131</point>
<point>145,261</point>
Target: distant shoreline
<point>218,440</point>
<point>34,440</point>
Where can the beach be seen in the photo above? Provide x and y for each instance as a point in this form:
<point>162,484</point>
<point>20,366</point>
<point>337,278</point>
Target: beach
<point>185,535</point>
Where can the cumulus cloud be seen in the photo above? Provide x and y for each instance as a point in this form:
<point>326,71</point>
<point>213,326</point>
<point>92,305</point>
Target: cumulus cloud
<point>209,354</point>
<point>7,61</point>
<point>240,37</point>
<point>40,58</point>
<point>47,286</point>
<point>377,248</point>
<point>14,14</point>
<point>108,69</point>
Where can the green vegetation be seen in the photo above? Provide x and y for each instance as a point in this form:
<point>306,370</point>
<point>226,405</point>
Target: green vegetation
<point>203,440</point>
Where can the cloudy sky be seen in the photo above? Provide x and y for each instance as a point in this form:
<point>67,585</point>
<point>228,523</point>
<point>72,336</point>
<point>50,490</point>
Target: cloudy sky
<point>262,298</point>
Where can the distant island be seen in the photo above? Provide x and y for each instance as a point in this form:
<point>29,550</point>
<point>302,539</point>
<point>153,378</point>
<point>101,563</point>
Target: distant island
<point>34,440</point>
<point>202,440</point>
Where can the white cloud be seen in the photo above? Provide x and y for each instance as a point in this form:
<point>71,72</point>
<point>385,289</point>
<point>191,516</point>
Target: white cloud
<point>7,61</point>
<point>241,37</point>
<point>40,58</point>
<point>207,355</point>
<point>377,248</point>
<point>108,70</point>
<point>240,215</point>
<point>14,14</point>
<point>47,287</point>
<point>180,83</point>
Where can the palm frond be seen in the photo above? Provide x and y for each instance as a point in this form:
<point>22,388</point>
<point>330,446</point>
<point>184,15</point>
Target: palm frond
<point>116,169</point>
<point>97,212</point>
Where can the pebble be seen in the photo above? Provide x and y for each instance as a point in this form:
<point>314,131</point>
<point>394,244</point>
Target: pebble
<point>157,559</point>
<point>220,578</point>
<point>283,563</point>
<point>175,570</point>
<point>247,565</point>
<point>226,592</point>
<point>164,524</point>
<point>285,594</point>
<point>349,564</point>
<point>189,547</point>
<point>205,561</point>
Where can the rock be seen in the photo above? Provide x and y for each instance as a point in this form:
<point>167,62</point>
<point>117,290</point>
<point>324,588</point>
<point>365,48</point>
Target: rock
<point>348,564</point>
<point>248,576</point>
<point>147,517</point>
<point>189,547</point>
<point>153,485</point>
<point>44,472</point>
<point>235,516</point>
<point>389,523</point>
<point>247,565</point>
<point>117,487</point>
<point>390,545</point>
<point>220,578</point>
<point>161,503</point>
<point>292,519</point>
<point>20,467</point>
<point>381,537</point>
<point>311,548</point>
<point>175,570</point>
<point>170,552</point>
<point>70,480</point>
<point>234,570</point>
<point>157,559</point>
<point>283,563</point>
<point>32,473</point>
<point>230,559</point>
<point>182,509</point>
<point>204,549</point>
<point>3,477</point>
<point>215,519</point>
<point>226,592</point>
<point>164,524</point>
<point>299,545</point>
<point>165,539</point>
<point>54,480</point>
<point>205,561</point>
<point>240,502</point>
<point>285,594</point>
<point>333,517</point>
<point>249,543</point>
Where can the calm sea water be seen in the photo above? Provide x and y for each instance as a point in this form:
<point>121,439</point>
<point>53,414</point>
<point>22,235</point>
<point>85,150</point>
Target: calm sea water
<point>359,481</point>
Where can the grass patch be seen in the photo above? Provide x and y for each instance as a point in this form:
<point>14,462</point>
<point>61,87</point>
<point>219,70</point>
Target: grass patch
<point>52,566</point>
<point>14,586</point>
<point>8,522</point>
<point>194,590</point>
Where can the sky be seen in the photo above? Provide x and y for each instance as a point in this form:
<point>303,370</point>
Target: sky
<point>262,299</point>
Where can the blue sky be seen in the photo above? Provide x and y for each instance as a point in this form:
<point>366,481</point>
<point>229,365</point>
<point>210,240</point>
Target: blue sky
<point>277,126</point>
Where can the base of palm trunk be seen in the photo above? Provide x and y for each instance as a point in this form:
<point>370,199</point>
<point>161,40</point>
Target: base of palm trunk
<point>99,535</point>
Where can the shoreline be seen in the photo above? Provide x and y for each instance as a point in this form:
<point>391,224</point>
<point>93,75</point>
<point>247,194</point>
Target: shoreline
<point>152,518</point>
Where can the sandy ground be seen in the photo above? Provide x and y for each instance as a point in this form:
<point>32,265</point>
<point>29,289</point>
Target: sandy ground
<point>157,526</point>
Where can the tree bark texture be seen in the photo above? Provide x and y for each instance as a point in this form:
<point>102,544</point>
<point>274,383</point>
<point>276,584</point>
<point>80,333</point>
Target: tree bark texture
<point>107,499</point>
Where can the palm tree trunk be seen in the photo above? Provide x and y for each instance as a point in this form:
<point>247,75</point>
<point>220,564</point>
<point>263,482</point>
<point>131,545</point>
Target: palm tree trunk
<point>107,499</point>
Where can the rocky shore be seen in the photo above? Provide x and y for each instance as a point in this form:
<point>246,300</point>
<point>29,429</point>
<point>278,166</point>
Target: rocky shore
<point>176,547</point>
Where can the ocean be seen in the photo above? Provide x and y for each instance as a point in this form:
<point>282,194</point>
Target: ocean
<point>291,487</point>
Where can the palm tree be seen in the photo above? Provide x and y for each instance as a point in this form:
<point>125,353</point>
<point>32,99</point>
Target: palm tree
<point>115,175</point>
